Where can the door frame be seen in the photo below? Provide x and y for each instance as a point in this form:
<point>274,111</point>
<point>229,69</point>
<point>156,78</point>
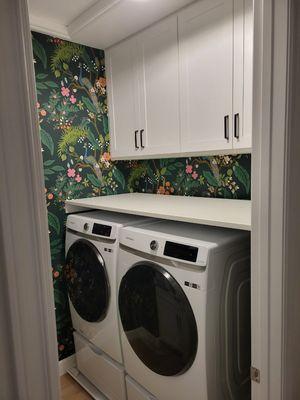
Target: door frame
<point>275,289</point>
<point>28,341</point>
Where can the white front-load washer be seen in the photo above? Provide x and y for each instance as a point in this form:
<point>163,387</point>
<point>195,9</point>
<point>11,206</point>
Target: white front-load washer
<point>184,304</point>
<point>92,241</point>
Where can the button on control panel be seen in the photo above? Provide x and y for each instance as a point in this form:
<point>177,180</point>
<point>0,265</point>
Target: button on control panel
<point>86,226</point>
<point>154,245</point>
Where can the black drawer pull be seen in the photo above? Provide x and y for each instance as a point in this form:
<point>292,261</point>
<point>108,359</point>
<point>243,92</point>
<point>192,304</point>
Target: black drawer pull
<point>141,134</point>
<point>226,127</point>
<point>135,139</point>
<point>237,126</point>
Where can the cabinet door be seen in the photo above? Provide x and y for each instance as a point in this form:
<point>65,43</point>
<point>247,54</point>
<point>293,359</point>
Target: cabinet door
<point>206,75</point>
<point>243,69</point>
<point>122,74</point>
<point>159,88</point>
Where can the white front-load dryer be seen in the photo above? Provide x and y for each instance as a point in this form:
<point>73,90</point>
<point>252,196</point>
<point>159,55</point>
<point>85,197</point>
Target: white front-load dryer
<point>92,241</point>
<point>182,332</point>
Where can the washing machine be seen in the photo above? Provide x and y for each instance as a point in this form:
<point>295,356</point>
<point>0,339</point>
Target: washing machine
<point>92,241</point>
<point>184,305</point>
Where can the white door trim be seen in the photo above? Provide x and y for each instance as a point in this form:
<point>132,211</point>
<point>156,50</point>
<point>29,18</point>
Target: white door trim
<point>269,159</point>
<point>291,354</point>
<point>31,365</point>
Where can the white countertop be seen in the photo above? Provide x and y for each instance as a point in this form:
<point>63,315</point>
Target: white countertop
<point>225,213</point>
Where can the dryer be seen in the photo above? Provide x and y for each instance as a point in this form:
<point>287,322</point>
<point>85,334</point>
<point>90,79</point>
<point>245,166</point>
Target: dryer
<point>92,241</point>
<point>184,304</point>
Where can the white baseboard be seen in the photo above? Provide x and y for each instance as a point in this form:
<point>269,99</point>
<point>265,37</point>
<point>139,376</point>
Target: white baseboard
<point>67,363</point>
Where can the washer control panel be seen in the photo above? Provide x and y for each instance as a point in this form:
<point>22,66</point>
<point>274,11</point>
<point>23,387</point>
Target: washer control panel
<point>102,230</point>
<point>90,225</point>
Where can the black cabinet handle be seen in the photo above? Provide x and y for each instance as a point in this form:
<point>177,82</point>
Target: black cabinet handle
<point>237,126</point>
<point>226,127</point>
<point>141,135</point>
<point>135,139</point>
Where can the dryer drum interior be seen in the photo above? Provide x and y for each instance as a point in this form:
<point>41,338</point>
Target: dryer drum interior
<point>87,281</point>
<point>158,319</point>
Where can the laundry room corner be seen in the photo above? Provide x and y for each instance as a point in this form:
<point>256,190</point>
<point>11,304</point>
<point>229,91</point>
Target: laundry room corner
<point>73,117</point>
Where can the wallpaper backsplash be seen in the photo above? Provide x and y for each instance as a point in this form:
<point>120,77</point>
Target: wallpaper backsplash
<point>72,110</point>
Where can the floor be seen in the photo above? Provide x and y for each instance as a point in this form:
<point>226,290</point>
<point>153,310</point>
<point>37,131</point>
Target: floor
<point>70,390</point>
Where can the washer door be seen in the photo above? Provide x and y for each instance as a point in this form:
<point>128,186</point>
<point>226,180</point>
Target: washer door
<point>87,281</point>
<point>158,319</point>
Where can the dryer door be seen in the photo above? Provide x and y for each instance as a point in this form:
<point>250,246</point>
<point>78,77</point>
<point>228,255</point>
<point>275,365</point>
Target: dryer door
<point>157,319</point>
<point>87,281</point>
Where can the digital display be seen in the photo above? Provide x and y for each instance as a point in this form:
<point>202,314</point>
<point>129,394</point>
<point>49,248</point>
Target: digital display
<point>103,230</point>
<point>181,251</point>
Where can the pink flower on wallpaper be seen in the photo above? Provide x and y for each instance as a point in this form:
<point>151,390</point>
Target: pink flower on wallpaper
<point>56,274</point>
<point>194,175</point>
<point>71,172</point>
<point>189,169</point>
<point>105,156</point>
<point>65,91</point>
<point>78,178</point>
<point>73,99</point>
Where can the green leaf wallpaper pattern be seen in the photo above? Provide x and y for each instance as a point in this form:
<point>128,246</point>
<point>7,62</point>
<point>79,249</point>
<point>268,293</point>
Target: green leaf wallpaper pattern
<point>72,111</point>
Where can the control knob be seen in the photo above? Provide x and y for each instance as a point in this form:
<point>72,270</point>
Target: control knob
<point>86,226</point>
<point>154,245</point>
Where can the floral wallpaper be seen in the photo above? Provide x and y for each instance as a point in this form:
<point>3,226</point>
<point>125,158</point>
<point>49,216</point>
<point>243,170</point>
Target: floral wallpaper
<point>72,110</point>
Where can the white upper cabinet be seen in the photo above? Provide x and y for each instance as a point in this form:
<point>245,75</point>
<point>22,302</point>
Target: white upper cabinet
<point>159,88</point>
<point>143,92</point>
<point>184,85</point>
<point>123,95</point>
<point>243,70</point>
<point>206,75</point>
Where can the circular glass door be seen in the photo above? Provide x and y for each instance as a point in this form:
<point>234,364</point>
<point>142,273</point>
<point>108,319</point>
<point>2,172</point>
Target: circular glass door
<point>157,319</point>
<point>87,281</point>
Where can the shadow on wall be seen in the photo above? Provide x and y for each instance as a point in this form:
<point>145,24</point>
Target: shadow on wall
<point>72,110</point>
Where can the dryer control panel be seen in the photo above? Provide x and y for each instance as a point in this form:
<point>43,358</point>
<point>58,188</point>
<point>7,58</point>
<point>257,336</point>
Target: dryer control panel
<point>161,245</point>
<point>181,251</point>
<point>180,241</point>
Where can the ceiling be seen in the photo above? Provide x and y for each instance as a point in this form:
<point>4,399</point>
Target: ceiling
<point>98,23</point>
<point>60,11</point>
